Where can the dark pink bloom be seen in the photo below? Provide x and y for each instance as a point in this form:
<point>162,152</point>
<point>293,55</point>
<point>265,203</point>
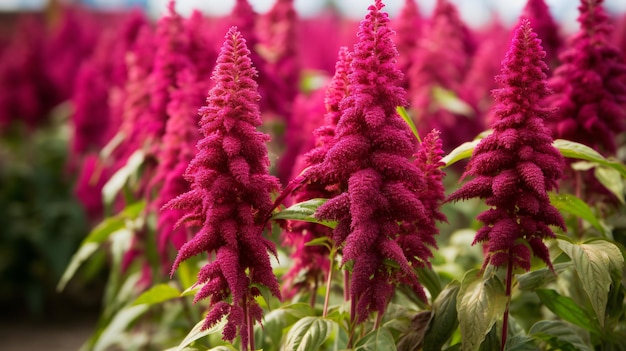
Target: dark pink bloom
<point>514,167</point>
<point>313,260</point>
<point>171,56</point>
<point>178,149</point>
<point>27,93</point>
<point>230,195</point>
<point>408,26</point>
<point>442,60</point>
<point>277,45</point>
<point>590,84</point>
<point>369,164</point>
<point>538,13</point>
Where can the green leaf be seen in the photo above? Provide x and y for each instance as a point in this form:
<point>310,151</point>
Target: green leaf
<point>612,180</point>
<point>377,340</point>
<point>572,149</point>
<point>573,205</point>
<point>304,211</point>
<point>559,336</point>
<point>536,279</point>
<point>276,321</point>
<point>444,321</point>
<point>480,302</point>
<point>405,116</point>
<point>323,241</point>
<point>157,294</point>
<point>308,334</point>
<point>448,100</point>
<point>461,152</point>
<point>593,263</point>
<point>111,334</point>
<point>96,237</point>
<point>121,177</point>
<point>430,280</point>
<point>197,333</point>
<point>567,309</point>
<point>521,343</point>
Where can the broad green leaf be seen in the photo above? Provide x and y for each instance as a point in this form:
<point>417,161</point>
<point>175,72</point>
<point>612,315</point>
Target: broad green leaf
<point>223,348</point>
<point>612,180</point>
<point>492,340</point>
<point>323,241</point>
<point>377,340</point>
<point>593,263</point>
<point>157,294</point>
<point>187,274</point>
<point>275,322</point>
<point>567,309</point>
<point>308,334</point>
<point>120,322</point>
<point>521,343</point>
<point>461,152</point>
<point>304,211</point>
<point>120,178</point>
<point>480,302</point>
<point>572,149</point>
<point>559,336</point>
<point>197,333</point>
<point>536,279</point>
<point>573,205</point>
<point>430,280</point>
<point>405,116</point>
<point>96,237</point>
<point>84,252</point>
<point>444,321</point>
<point>448,100</point>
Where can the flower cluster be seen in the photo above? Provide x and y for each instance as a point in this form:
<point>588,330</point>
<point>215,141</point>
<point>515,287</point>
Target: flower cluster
<point>230,195</point>
<point>369,162</point>
<point>589,85</point>
<point>515,166</point>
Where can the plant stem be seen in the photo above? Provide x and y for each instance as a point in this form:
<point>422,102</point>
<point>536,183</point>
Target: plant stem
<point>352,323</point>
<point>379,320</point>
<point>346,285</point>
<point>505,318</point>
<point>579,193</point>
<point>244,346</point>
<point>328,284</point>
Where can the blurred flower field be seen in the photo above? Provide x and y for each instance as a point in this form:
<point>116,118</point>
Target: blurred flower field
<point>265,181</point>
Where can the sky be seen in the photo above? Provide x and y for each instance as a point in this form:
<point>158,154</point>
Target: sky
<point>474,12</point>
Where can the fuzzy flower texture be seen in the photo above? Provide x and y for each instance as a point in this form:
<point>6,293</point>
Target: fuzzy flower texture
<point>230,195</point>
<point>514,167</point>
<point>380,188</point>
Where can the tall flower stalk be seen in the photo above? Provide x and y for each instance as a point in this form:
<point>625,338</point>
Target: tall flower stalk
<point>516,166</point>
<point>230,197</point>
<point>369,163</point>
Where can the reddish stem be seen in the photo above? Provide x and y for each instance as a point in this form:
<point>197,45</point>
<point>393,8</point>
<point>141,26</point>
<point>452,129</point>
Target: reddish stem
<point>505,319</point>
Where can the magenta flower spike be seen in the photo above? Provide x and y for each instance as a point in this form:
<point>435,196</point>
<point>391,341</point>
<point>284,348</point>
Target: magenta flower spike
<point>408,26</point>
<point>442,60</point>
<point>516,166</point>
<point>177,151</point>
<point>590,84</point>
<point>171,56</point>
<point>546,28</point>
<point>313,260</point>
<point>230,196</point>
<point>369,164</point>
<point>277,45</point>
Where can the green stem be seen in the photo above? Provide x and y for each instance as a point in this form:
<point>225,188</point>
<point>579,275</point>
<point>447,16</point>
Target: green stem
<point>505,318</point>
<point>327,297</point>
<point>352,323</point>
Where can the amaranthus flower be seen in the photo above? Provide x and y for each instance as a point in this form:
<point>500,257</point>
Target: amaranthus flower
<point>590,84</point>
<point>313,260</point>
<point>170,57</point>
<point>514,167</point>
<point>178,149</point>
<point>546,28</point>
<point>369,162</point>
<point>442,60</point>
<point>408,26</point>
<point>230,195</point>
